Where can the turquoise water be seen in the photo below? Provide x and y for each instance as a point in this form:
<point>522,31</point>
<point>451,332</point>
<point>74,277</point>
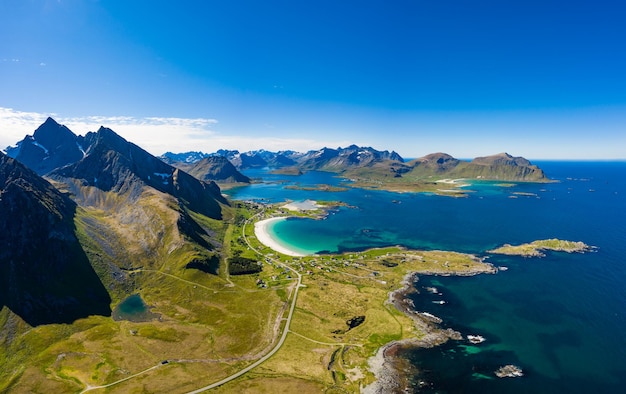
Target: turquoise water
<point>561,318</point>
<point>133,308</point>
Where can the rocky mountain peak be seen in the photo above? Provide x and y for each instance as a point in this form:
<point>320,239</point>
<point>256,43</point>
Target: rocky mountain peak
<point>114,164</point>
<point>438,162</point>
<point>502,159</point>
<point>51,146</point>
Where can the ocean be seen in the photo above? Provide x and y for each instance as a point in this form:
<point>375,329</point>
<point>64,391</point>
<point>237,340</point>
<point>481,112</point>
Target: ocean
<point>561,318</point>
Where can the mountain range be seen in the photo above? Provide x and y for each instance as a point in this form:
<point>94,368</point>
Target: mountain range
<point>107,207</point>
<point>104,207</point>
<point>356,162</point>
<point>88,221</point>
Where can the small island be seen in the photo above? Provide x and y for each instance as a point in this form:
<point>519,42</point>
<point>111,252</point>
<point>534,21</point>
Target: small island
<point>509,371</point>
<point>537,248</point>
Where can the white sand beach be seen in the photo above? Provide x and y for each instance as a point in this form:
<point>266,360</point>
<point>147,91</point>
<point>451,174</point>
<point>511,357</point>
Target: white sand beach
<point>306,205</point>
<point>262,234</point>
<point>456,182</point>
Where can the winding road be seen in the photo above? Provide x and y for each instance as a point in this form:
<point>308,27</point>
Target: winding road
<point>261,360</point>
<point>281,341</point>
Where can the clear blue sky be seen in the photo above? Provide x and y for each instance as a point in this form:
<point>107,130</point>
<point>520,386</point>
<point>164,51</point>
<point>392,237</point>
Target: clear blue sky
<point>541,79</point>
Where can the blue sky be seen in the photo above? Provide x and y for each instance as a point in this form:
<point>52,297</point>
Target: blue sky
<point>540,79</point>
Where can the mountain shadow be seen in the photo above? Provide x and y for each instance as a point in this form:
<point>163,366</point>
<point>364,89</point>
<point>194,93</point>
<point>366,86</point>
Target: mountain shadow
<point>45,276</point>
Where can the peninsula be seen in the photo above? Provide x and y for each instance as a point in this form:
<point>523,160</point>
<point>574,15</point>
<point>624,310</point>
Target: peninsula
<point>372,287</point>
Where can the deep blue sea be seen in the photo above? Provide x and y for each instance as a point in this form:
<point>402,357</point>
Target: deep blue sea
<point>561,318</point>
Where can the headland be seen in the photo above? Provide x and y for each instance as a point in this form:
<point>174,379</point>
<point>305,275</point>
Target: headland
<point>373,285</point>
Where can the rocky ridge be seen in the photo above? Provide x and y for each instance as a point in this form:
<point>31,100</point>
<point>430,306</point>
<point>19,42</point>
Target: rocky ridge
<point>371,166</point>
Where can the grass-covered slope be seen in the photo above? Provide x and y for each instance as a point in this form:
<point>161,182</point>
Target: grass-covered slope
<point>140,239</point>
<point>502,167</point>
<point>537,248</point>
<point>137,212</point>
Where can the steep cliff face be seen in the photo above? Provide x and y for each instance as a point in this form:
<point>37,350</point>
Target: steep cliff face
<point>45,276</point>
<point>51,146</point>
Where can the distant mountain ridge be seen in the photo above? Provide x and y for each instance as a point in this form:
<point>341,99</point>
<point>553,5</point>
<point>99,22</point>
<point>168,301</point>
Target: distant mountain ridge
<point>323,159</point>
<point>341,159</point>
<point>366,162</point>
<point>501,166</point>
<point>185,157</point>
<point>207,167</point>
<point>215,168</point>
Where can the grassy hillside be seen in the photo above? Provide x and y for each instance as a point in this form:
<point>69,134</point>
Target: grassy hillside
<point>206,319</point>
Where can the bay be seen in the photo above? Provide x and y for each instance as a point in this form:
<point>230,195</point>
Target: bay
<point>561,318</point>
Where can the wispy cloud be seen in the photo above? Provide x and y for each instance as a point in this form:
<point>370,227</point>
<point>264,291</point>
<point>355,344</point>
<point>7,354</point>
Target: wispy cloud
<point>155,134</point>
<point>15,124</point>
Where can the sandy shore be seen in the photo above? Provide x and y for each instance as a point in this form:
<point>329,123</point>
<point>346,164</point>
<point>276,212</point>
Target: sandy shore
<point>262,234</point>
<point>307,205</point>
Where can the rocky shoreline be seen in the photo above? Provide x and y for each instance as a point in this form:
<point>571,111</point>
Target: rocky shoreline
<point>391,372</point>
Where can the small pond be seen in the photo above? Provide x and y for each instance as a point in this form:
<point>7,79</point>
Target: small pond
<point>134,309</point>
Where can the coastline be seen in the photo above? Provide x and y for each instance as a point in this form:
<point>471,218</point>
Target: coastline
<point>262,233</point>
<point>390,370</point>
